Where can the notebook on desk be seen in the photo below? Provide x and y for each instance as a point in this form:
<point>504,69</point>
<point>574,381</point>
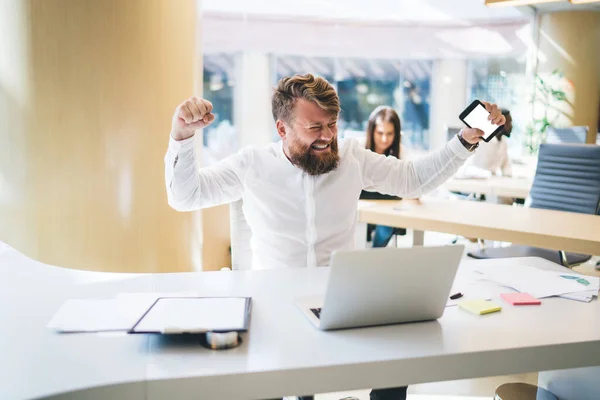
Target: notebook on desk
<point>172,315</point>
<point>153,313</point>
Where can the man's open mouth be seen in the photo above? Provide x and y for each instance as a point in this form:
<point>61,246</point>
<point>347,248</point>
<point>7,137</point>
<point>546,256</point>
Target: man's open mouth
<point>320,146</point>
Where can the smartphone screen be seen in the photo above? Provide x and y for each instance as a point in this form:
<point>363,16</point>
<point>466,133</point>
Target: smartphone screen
<point>478,118</point>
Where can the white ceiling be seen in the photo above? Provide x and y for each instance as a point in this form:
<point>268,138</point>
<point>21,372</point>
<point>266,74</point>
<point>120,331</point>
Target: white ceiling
<point>446,12</point>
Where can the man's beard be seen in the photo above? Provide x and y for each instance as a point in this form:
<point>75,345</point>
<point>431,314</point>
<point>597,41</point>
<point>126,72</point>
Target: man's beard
<point>315,163</point>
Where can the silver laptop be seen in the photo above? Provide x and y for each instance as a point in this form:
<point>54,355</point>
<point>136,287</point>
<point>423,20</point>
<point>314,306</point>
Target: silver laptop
<point>385,286</point>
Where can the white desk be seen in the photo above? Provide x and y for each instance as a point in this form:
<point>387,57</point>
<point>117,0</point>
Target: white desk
<point>282,354</point>
<point>494,186</point>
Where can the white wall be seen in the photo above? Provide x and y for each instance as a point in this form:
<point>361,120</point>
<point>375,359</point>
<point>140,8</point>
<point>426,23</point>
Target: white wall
<point>252,99</point>
<point>448,98</point>
<point>254,125</point>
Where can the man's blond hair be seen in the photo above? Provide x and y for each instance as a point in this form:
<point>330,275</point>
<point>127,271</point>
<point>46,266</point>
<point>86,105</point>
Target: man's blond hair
<point>308,87</point>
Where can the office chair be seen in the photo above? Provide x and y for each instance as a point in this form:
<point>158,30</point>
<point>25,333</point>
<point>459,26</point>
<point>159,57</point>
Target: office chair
<point>573,134</point>
<point>567,179</point>
<point>397,232</point>
<point>365,195</point>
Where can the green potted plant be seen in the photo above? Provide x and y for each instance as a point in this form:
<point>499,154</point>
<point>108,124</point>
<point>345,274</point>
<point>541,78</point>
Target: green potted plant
<point>549,96</point>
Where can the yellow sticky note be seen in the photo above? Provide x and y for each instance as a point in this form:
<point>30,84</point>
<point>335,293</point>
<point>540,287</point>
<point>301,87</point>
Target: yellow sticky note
<point>479,307</point>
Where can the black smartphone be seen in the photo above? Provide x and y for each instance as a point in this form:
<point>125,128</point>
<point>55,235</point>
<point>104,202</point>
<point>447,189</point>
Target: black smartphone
<point>476,116</point>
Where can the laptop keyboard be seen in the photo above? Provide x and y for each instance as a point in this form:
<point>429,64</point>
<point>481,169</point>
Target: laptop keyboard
<point>317,312</point>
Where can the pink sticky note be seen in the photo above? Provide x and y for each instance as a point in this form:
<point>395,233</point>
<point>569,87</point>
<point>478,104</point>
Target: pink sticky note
<point>520,299</point>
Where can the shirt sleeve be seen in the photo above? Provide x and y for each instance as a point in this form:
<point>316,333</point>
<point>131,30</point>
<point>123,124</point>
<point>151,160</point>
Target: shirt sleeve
<point>412,178</point>
<point>191,189</point>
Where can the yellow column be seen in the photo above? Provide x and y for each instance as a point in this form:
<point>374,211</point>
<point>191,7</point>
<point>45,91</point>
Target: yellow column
<point>87,91</point>
<point>570,41</point>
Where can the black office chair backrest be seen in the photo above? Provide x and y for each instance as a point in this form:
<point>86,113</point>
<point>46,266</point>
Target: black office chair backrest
<point>567,178</point>
<point>572,134</point>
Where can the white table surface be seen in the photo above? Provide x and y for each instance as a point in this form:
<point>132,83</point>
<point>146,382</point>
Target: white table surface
<point>493,186</point>
<point>282,354</point>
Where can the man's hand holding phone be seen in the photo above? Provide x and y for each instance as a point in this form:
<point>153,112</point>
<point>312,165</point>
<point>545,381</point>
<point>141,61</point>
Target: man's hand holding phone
<point>484,120</point>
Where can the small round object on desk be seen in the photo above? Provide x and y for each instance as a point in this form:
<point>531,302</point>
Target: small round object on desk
<point>221,341</point>
<point>522,391</point>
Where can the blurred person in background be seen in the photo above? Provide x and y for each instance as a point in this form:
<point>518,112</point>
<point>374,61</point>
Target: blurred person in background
<point>493,156</point>
<point>384,131</point>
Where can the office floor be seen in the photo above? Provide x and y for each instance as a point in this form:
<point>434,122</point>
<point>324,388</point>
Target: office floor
<point>467,389</point>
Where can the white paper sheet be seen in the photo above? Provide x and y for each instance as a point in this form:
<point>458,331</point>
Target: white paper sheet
<point>147,299</point>
<point>581,296</point>
<point>472,172</point>
<point>99,315</point>
<point>95,315</point>
<point>540,283</point>
<point>4,247</point>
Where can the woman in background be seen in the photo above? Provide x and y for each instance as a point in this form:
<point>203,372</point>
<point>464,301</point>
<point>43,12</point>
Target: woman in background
<point>493,156</point>
<point>383,132</point>
<point>383,137</point>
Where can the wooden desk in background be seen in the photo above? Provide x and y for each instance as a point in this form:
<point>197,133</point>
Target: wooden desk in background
<point>494,186</point>
<point>557,230</point>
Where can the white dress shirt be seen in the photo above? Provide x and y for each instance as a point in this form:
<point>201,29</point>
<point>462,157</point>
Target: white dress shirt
<point>298,220</point>
<point>493,157</point>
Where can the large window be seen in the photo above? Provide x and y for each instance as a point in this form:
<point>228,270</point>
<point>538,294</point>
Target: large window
<point>416,86</point>
<point>220,138</point>
<point>362,85</point>
<point>365,84</point>
<point>504,82</point>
